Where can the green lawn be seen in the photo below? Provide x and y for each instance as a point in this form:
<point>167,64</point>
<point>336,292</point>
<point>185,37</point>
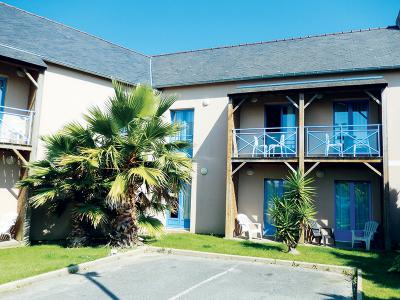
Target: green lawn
<point>377,283</point>
<point>23,262</point>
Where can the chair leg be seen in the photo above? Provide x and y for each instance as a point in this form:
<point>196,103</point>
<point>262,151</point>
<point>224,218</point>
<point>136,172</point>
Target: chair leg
<point>367,244</point>
<point>352,243</point>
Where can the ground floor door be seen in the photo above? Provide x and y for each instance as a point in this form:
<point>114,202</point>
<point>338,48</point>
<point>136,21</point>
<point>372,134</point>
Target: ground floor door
<point>272,188</point>
<point>352,207</point>
<point>180,218</point>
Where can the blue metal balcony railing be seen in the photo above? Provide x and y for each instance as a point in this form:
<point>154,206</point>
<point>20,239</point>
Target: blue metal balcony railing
<point>265,142</point>
<point>343,141</point>
<point>15,126</point>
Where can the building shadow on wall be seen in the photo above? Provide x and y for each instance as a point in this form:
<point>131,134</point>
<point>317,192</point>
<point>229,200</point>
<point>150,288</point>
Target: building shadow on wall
<point>212,156</point>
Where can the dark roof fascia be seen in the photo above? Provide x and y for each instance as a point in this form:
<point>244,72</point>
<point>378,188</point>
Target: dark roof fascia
<point>21,63</point>
<point>288,75</point>
<point>310,84</point>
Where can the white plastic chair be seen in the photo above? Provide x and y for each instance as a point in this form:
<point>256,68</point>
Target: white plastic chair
<point>6,222</point>
<point>257,147</point>
<point>280,145</point>
<point>248,226</point>
<point>329,145</point>
<point>368,234</point>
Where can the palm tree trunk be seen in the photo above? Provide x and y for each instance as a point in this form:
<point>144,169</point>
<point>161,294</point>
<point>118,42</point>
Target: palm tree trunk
<point>126,227</point>
<point>78,236</point>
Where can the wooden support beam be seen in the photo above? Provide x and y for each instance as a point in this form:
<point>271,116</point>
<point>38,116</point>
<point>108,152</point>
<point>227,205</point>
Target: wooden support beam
<point>230,204</point>
<point>301,133</point>
<point>373,169</point>
<point>289,166</point>
<point>373,97</point>
<point>311,100</point>
<point>238,168</point>
<point>31,78</point>
<point>312,168</point>
<point>240,103</point>
<point>385,173</point>
<point>293,102</point>
<point>20,156</point>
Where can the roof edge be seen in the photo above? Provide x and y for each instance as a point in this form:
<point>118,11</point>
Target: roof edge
<point>286,75</point>
<point>394,27</point>
<point>72,28</point>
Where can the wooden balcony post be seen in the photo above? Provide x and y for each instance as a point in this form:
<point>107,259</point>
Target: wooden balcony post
<point>301,133</point>
<point>231,207</point>
<point>385,174</point>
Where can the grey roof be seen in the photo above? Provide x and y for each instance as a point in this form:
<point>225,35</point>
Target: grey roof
<point>28,37</point>
<point>57,43</point>
<point>335,53</point>
<point>18,55</point>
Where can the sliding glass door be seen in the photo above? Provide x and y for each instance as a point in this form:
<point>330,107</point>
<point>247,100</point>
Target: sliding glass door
<point>352,208</point>
<point>272,188</point>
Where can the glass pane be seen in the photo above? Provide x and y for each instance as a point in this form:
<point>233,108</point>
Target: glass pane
<point>185,118</point>
<point>361,199</point>
<point>186,196</point>
<point>341,115</point>
<point>272,188</point>
<point>360,133</point>
<point>342,206</point>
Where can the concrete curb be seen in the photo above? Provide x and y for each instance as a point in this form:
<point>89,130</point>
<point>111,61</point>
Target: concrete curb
<point>349,271</point>
<point>359,285</point>
<point>9,286</point>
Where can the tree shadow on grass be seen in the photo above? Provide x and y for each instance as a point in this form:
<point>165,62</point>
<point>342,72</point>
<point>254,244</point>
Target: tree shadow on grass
<point>374,268</point>
<point>263,246</point>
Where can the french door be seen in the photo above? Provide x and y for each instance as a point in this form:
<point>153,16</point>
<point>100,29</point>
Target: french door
<point>281,120</point>
<point>352,207</point>
<point>180,218</point>
<point>351,125</point>
<point>272,188</point>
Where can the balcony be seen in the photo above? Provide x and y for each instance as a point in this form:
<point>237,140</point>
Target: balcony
<point>15,126</point>
<point>351,142</point>
<point>343,141</point>
<point>274,142</point>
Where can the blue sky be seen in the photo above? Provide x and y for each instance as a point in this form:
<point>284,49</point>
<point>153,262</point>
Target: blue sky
<point>156,26</point>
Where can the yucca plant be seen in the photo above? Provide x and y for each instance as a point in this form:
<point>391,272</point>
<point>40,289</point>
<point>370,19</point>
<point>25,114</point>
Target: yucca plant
<point>116,168</point>
<point>291,212</point>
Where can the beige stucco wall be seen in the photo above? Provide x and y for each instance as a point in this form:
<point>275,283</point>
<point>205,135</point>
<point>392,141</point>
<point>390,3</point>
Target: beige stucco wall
<point>67,94</point>
<point>392,98</point>
<point>209,151</point>
<point>16,96</point>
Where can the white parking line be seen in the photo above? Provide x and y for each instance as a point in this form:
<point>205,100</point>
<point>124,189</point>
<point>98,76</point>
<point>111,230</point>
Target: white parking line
<point>201,283</point>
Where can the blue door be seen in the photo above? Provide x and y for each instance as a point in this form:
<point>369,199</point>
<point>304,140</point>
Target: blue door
<point>180,218</point>
<point>352,208</point>
<point>272,188</point>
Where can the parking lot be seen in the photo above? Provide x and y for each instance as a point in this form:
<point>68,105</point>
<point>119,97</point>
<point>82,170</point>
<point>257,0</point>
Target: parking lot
<point>166,276</point>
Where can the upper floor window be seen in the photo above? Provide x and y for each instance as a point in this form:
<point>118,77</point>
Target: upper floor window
<point>185,118</point>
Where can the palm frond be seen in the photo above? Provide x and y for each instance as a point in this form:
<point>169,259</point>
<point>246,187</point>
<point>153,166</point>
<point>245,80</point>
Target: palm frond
<point>150,225</point>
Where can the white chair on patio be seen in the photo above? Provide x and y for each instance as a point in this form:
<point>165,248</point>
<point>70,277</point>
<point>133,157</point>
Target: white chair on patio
<point>247,226</point>
<point>367,236</point>
<point>335,145</point>
<point>6,222</point>
<point>257,148</point>
<point>280,145</point>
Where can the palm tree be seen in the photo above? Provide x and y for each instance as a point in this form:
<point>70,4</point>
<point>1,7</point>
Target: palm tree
<point>118,169</point>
